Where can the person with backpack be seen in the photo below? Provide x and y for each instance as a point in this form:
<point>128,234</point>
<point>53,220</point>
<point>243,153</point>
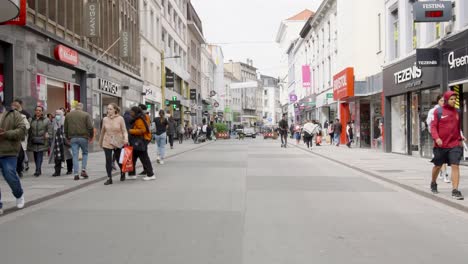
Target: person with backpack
<point>430,117</point>
<point>448,142</point>
<point>139,138</point>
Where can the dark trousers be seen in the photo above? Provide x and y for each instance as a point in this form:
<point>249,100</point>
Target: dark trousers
<point>38,158</point>
<point>181,138</point>
<point>171,140</point>
<point>308,141</point>
<point>145,160</point>
<point>284,138</point>
<point>111,155</point>
<point>20,161</point>
<point>58,166</point>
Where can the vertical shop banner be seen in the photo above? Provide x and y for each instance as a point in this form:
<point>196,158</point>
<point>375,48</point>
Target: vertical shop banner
<point>125,44</point>
<point>91,19</point>
<point>306,81</point>
<point>1,88</point>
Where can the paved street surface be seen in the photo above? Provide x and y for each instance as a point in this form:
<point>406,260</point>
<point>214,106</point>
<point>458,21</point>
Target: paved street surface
<point>247,202</point>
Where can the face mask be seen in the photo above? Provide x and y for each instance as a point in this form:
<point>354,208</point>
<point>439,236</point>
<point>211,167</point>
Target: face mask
<point>58,118</point>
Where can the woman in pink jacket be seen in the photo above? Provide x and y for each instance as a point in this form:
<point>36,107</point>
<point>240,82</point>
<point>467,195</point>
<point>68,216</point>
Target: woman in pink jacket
<point>113,138</point>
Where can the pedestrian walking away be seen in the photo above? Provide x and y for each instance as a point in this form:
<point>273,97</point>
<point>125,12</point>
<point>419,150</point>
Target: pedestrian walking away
<point>171,130</point>
<point>38,140</point>
<point>448,142</point>
<point>430,117</point>
<point>349,134</point>
<point>140,137</point>
<point>112,139</point>
<point>161,129</point>
<point>337,129</point>
<point>181,131</point>
<point>79,133</point>
<point>310,129</point>
<point>22,155</point>
<point>283,128</point>
<point>331,132</point>
<point>12,131</point>
<point>60,148</point>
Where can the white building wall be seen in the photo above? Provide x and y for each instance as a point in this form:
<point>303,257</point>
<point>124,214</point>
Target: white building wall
<point>151,48</point>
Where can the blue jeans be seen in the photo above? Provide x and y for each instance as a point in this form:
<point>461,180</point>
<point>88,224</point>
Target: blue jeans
<point>8,168</point>
<point>161,141</point>
<point>336,138</point>
<point>76,144</point>
<point>38,158</point>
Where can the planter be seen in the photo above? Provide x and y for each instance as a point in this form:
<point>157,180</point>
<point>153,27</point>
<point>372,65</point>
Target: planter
<point>223,135</point>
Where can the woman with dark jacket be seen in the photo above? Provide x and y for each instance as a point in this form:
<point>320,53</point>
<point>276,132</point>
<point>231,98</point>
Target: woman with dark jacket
<point>171,130</point>
<point>139,137</point>
<point>38,140</point>
<point>60,151</point>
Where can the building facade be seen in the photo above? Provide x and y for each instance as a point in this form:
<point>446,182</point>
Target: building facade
<point>58,59</point>
<point>151,54</point>
<point>194,42</point>
<point>411,91</point>
<point>175,75</point>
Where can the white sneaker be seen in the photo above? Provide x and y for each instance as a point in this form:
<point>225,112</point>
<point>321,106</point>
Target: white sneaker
<point>158,159</point>
<point>131,177</point>
<point>147,178</point>
<point>446,178</point>
<point>161,162</point>
<point>20,202</point>
<point>441,175</point>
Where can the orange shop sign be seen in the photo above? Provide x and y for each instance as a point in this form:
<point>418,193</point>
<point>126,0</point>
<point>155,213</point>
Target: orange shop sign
<point>343,84</point>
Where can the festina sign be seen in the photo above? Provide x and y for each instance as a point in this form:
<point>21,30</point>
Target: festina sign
<point>432,11</point>
<point>109,87</point>
<point>92,19</point>
<point>408,74</point>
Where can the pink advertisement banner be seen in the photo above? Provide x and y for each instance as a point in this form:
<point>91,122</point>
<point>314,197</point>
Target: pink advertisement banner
<point>306,81</point>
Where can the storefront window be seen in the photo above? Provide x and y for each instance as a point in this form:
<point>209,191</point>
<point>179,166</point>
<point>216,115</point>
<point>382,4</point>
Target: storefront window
<point>428,100</point>
<point>399,130</point>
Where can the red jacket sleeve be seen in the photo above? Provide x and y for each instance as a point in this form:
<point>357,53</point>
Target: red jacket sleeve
<point>435,124</point>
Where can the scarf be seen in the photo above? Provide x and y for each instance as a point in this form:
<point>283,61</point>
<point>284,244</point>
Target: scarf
<point>58,146</point>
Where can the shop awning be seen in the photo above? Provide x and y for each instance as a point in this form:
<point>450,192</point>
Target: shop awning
<point>10,9</point>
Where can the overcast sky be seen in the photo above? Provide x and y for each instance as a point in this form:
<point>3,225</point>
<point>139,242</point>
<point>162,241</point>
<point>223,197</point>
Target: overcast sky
<point>238,21</point>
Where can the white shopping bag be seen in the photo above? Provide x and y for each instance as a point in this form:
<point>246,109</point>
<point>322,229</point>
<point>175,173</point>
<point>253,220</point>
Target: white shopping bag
<point>122,154</point>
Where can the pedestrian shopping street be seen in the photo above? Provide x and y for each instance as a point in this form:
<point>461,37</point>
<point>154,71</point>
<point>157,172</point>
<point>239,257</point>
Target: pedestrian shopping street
<point>243,201</point>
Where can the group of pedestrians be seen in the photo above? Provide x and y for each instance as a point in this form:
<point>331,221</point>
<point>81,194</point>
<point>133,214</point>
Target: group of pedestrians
<point>64,135</point>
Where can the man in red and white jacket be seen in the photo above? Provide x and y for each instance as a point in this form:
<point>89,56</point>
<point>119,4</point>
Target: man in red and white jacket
<point>448,142</point>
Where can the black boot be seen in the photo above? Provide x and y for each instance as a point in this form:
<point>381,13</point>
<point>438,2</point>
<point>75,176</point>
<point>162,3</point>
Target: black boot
<point>122,176</point>
<point>57,173</point>
<point>109,181</point>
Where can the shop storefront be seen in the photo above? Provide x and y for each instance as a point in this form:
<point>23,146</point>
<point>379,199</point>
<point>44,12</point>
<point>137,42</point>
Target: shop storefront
<point>368,109</point>
<point>153,99</point>
<point>343,92</point>
<point>455,63</point>
<point>47,72</point>
<point>410,92</point>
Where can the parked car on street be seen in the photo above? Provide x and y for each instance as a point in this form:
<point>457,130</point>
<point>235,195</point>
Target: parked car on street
<point>250,132</point>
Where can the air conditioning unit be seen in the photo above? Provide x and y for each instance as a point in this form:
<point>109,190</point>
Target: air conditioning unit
<point>449,28</point>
